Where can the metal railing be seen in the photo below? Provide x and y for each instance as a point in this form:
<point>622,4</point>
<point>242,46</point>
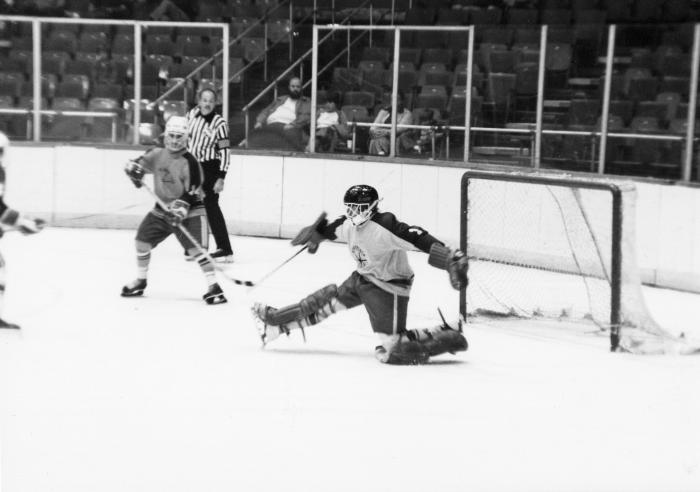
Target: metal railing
<point>37,22</point>
<point>273,86</point>
<point>601,134</point>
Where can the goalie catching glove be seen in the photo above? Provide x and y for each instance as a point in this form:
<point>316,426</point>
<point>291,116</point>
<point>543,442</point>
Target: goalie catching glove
<point>311,236</point>
<point>135,172</point>
<point>177,212</point>
<point>452,260</point>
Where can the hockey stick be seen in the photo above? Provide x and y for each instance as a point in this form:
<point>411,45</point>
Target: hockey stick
<point>270,273</point>
<point>196,244</point>
<point>247,283</point>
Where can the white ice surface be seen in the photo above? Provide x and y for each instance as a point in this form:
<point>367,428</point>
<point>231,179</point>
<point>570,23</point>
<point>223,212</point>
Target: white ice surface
<point>100,393</point>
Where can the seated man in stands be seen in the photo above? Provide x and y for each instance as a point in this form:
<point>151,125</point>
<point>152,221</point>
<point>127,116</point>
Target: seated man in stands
<point>331,125</point>
<point>379,136</point>
<point>284,123</point>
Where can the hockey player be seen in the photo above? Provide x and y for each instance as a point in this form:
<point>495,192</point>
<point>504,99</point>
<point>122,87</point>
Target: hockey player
<point>378,241</point>
<point>11,219</point>
<point>177,180</point>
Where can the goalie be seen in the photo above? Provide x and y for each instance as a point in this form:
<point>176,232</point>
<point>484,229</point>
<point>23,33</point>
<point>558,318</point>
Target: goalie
<point>382,281</point>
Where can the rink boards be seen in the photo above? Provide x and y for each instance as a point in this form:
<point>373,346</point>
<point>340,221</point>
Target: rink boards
<point>274,195</point>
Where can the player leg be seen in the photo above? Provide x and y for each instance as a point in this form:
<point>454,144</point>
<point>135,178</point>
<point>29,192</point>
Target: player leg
<point>3,323</point>
<point>196,225</point>
<point>217,223</point>
<point>150,233</point>
<point>387,315</point>
<point>311,310</point>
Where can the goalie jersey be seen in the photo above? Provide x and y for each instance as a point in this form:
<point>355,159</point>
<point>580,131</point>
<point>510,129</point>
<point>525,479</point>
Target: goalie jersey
<point>379,247</point>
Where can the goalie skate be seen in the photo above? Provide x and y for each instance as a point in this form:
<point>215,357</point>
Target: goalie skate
<point>134,289</point>
<point>214,295</point>
<point>266,331</point>
<point>404,352</point>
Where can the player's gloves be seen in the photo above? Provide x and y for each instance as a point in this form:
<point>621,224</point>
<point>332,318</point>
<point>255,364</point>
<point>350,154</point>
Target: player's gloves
<point>311,236</point>
<point>454,261</point>
<point>135,172</point>
<point>28,225</point>
<point>177,212</point>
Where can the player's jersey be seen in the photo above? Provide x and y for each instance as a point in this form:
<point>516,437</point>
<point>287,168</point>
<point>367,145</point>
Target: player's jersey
<point>379,247</point>
<point>175,175</point>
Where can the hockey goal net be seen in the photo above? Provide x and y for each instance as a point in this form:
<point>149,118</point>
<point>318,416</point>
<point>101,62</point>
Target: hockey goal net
<point>557,247</point>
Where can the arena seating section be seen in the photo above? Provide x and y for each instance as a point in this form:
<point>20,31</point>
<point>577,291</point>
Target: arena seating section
<point>91,67</point>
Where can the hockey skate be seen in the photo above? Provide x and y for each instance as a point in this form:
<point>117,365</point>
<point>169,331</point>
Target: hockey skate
<point>221,256</point>
<point>10,326</point>
<point>403,352</point>
<point>135,288</point>
<point>214,295</point>
<point>267,332</point>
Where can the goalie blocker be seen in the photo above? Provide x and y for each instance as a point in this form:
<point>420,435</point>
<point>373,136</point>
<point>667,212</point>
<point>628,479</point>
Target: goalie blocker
<point>381,282</point>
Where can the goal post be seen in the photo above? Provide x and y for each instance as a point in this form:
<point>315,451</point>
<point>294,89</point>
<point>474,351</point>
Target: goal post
<point>558,247</point>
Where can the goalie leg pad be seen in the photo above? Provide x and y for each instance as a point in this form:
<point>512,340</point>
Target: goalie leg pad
<point>313,308</point>
<point>309,311</point>
<point>440,340</point>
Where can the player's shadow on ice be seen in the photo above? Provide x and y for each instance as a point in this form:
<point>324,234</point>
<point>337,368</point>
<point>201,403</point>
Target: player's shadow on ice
<point>364,355</point>
<point>324,352</point>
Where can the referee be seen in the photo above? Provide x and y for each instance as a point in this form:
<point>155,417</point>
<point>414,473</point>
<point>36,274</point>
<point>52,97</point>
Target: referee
<point>209,144</point>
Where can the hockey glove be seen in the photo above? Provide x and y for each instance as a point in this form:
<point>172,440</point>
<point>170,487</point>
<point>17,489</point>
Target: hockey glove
<point>311,236</point>
<point>29,226</point>
<point>454,261</point>
<point>135,172</point>
<point>177,212</point>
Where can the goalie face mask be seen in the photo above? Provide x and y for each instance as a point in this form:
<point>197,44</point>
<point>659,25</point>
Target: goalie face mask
<point>359,213</point>
<point>360,203</point>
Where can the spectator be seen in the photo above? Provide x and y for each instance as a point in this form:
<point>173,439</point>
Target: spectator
<point>379,136</point>
<point>284,123</point>
<point>424,136</point>
<point>331,125</point>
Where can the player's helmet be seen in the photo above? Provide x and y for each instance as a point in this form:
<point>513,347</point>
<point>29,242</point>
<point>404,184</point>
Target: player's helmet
<point>360,203</point>
<point>175,136</point>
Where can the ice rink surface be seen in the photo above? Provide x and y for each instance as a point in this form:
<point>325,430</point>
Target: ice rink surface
<point>100,393</point>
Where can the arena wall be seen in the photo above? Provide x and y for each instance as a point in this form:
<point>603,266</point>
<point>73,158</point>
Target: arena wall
<point>274,195</point>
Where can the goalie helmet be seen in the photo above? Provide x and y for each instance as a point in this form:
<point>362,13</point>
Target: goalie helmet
<point>360,203</point>
<point>175,136</point>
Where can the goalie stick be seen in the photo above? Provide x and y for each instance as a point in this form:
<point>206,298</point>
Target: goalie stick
<point>201,250</point>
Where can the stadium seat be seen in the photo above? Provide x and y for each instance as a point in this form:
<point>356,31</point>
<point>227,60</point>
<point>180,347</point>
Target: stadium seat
<point>94,42</point>
<point>359,98</point>
<point>11,83</point>
<point>74,86</point>
<point>584,113</point>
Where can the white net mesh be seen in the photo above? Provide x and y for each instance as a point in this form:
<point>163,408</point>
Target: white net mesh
<point>543,250</point>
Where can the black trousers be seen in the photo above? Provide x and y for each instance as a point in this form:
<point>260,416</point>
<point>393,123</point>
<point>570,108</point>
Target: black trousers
<point>217,224</point>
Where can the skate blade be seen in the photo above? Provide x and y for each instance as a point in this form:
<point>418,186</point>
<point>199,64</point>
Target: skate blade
<point>135,293</point>
<point>219,299</point>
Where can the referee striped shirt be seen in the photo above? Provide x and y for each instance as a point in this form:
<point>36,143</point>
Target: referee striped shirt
<point>208,139</point>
